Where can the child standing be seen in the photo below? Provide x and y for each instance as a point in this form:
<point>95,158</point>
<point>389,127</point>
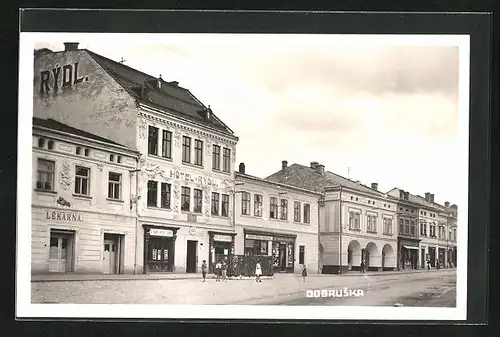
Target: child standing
<point>304,273</point>
<point>204,270</point>
<point>218,271</point>
<point>258,272</point>
<point>224,271</point>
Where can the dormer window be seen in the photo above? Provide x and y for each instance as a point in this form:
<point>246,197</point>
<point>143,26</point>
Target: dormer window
<point>41,142</point>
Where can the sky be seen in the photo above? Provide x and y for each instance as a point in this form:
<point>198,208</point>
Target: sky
<point>374,112</point>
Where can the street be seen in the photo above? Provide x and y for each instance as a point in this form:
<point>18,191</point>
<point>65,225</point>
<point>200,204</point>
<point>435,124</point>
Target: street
<point>434,288</point>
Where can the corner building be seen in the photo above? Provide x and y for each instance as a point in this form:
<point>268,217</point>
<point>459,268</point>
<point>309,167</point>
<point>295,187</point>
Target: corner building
<point>83,220</point>
<point>187,153</point>
<point>356,222</point>
<point>278,220</point>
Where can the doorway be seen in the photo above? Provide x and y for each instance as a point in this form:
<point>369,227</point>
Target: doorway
<point>192,256</point>
<point>61,252</point>
<point>110,256</point>
<point>282,257</point>
<point>422,258</point>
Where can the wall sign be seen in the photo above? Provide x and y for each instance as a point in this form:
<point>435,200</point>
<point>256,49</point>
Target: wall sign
<point>161,232</point>
<point>283,239</point>
<point>60,77</point>
<point>258,237</point>
<point>63,216</point>
<point>176,174</point>
<point>222,238</point>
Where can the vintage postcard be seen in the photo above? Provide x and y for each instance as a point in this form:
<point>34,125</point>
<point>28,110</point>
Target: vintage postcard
<point>243,176</point>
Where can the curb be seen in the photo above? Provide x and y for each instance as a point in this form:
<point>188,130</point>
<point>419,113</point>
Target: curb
<point>132,278</point>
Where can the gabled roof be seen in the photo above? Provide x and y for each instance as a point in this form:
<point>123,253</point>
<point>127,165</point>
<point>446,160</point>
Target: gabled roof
<point>58,126</point>
<point>308,178</point>
<point>171,97</point>
<point>275,183</point>
<point>416,199</point>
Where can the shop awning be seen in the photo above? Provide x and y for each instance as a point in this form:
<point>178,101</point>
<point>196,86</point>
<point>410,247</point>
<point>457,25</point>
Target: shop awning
<point>411,247</point>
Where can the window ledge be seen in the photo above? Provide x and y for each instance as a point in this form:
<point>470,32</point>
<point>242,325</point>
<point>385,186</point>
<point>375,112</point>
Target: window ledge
<point>45,191</point>
<point>220,216</point>
<point>114,200</point>
<point>221,172</point>
<point>82,196</point>
<point>156,208</point>
<point>191,213</point>
<point>192,165</point>
<point>372,232</point>
<point>156,156</point>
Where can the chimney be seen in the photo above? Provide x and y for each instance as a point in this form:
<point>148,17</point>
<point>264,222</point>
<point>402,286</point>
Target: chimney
<point>70,46</point>
<point>208,113</point>
<point>431,198</point>
<point>447,204</point>
<point>242,168</point>
<point>401,194</point>
<point>427,196</point>
<point>284,165</point>
<point>159,82</point>
<point>406,196</point>
<point>375,186</point>
<point>320,168</point>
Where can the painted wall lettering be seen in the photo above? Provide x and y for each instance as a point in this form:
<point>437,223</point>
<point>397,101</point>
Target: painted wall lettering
<point>63,216</point>
<point>60,77</point>
<point>175,174</point>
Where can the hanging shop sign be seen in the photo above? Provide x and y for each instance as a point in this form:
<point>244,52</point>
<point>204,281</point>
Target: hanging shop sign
<point>222,238</point>
<point>161,232</point>
<point>204,181</point>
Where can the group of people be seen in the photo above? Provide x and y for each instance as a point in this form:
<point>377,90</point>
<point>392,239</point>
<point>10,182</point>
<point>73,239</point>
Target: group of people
<point>221,271</point>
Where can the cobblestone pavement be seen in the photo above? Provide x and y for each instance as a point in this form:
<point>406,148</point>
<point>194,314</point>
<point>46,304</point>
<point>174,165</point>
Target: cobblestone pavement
<point>281,289</point>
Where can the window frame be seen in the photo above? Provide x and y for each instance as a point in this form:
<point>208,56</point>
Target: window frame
<point>166,144</point>
<point>226,159</point>
<point>354,220</point>
<point>151,135</point>
<point>197,200</point>
<point>46,173</point>
<point>273,207</point>
<point>258,204</point>
<point>198,152</point>
<point>245,203</point>
<point>186,149</point>
<point>307,213</point>
<point>165,196</point>
<point>215,205</point>
<point>114,186</point>
<point>185,197</point>
<point>81,178</point>
<point>150,189</point>
<point>297,211</point>
<point>283,209</point>
<point>225,201</point>
<point>216,157</point>
<point>302,254</point>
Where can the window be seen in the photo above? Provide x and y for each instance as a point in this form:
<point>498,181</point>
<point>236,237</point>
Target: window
<point>198,152</point>
<point>407,227</point>
<point>153,141</point>
<point>354,220</point>
<point>215,203</point>
<point>387,226</point>
<point>245,203</point>
<point>111,157</point>
<point>82,181</point>
<point>45,175</point>
<point>454,234</point>
<point>412,227</point>
<point>186,149</point>
<point>78,150</point>
<point>257,204</point>
<point>284,209</point>
<point>273,208</point>
<point>119,159</point>
<point>87,152</point>
<point>114,186</point>
<point>166,144</point>
<point>165,195</point>
<point>401,226</point>
<point>225,205</point>
<point>372,223</point>
<point>198,200</point>
<point>41,142</point>
<point>296,211</point>
<point>216,157</point>
<point>302,253</point>
<point>185,199</point>
<point>152,193</point>
<point>307,213</point>
<point>50,144</point>
<point>226,160</point>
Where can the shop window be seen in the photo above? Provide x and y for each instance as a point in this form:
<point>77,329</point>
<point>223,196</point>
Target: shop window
<point>302,253</point>
<point>152,140</point>
<point>257,205</point>
<point>185,199</point>
<point>165,195</point>
<point>82,180</point>
<point>215,203</point>
<point>45,175</point>
<point>152,193</point>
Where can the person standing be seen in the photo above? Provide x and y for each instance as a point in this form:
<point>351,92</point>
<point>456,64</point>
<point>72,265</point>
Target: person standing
<point>428,265</point>
<point>218,267</point>
<point>224,270</point>
<point>258,272</point>
<point>304,273</point>
<point>363,266</point>
<point>204,270</point>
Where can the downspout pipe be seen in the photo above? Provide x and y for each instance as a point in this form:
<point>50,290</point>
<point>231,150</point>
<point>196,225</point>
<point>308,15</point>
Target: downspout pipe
<point>340,230</point>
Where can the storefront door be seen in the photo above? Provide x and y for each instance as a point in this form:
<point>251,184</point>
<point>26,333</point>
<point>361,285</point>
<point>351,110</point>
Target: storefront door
<point>191,257</point>
<point>160,255</point>
<point>60,255</point>
<point>109,257</point>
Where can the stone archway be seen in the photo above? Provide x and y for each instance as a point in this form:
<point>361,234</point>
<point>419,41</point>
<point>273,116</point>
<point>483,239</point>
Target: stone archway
<point>354,255</point>
<point>388,257</point>
<point>372,256</point>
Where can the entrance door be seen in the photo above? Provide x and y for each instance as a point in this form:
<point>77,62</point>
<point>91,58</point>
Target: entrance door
<point>282,257</point>
<point>109,257</point>
<point>191,256</point>
<point>60,253</point>
<point>422,258</point>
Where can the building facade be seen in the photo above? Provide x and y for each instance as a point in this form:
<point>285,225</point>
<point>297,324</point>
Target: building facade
<point>188,154</point>
<point>356,222</point>
<point>451,214</point>
<point>277,220</point>
<point>83,219</point>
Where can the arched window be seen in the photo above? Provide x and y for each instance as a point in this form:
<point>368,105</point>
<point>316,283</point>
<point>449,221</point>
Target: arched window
<point>41,142</point>
<point>111,157</point>
<point>50,144</point>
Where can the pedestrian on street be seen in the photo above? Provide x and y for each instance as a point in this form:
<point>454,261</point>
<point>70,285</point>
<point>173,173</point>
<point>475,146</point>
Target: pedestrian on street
<point>218,267</point>
<point>258,272</point>
<point>428,265</point>
<point>304,273</point>
<point>437,265</point>
<point>224,270</point>
<point>362,266</point>
<point>204,270</point>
